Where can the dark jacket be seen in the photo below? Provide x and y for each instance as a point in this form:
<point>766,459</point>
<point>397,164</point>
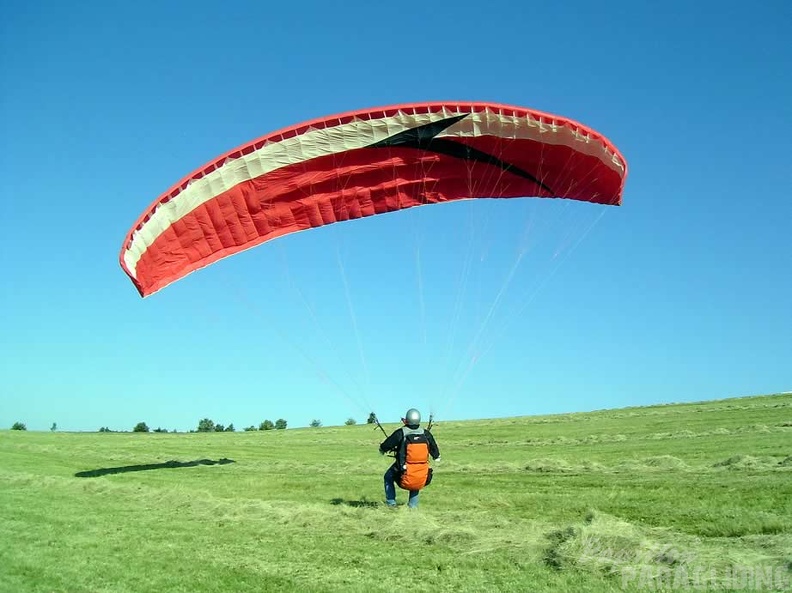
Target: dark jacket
<point>393,442</point>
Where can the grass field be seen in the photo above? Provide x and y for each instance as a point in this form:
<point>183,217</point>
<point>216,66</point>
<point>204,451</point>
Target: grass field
<point>684,496</point>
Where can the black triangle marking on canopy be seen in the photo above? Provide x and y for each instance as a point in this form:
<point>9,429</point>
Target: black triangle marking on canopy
<point>424,138</point>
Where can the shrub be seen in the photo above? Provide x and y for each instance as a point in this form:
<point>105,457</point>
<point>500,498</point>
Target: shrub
<point>316,423</point>
<point>206,425</point>
<point>19,426</point>
<point>280,424</point>
<point>350,421</point>
<point>266,425</point>
<point>140,427</point>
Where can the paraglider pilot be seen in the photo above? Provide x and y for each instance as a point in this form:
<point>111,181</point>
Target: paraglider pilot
<point>412,446</point>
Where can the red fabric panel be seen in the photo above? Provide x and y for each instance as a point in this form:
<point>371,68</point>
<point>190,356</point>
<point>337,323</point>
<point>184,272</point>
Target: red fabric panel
<point>370,181</point>
<point>360,183</point>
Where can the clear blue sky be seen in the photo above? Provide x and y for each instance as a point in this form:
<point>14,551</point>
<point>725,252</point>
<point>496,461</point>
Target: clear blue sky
<point>683,293</point>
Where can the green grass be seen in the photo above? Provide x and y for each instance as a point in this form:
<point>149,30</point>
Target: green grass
<point>615,500</point>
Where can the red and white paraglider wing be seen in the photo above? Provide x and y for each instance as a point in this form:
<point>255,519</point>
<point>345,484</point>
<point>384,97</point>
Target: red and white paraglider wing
<point>360,164</point>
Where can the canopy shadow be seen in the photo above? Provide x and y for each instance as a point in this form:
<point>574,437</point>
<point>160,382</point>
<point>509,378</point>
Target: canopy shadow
<point>355,503</point>
<point>105,471</point>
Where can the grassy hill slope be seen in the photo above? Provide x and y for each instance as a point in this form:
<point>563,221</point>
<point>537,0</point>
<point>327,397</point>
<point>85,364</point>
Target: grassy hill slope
<point>615,500</point>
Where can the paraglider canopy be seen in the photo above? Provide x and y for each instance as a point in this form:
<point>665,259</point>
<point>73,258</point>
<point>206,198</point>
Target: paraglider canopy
<point>361,164</point>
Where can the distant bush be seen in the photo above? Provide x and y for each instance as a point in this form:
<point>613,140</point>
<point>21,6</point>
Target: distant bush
<point>105,429</point>
<point>206,425</point>
<point>316,423</point>
<point>160,429</point>
<point>280,424</point>
<point>54,426</point>
<point>250,428</point>
<point>350,421</point>
<point>372,419</point>
<point>19,426</point>
<point>141,427</point>
<point>266,425</point>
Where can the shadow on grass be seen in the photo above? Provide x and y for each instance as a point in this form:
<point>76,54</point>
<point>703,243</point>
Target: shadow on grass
<point>105,471</point>
<point>355,503</point>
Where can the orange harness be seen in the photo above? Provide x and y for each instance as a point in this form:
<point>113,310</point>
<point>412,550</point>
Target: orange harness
<point>413,460</point>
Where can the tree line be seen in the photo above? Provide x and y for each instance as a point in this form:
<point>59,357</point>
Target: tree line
<point>208,425</point>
